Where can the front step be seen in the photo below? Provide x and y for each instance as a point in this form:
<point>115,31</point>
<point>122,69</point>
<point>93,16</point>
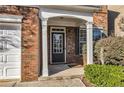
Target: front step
<point>60,77</point>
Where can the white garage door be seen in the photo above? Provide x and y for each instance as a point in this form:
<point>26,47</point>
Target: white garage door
<point>10,51</point>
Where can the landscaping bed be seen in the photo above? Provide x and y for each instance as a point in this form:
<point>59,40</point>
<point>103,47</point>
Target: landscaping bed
<point>104,75</point>
<point>87,82</point>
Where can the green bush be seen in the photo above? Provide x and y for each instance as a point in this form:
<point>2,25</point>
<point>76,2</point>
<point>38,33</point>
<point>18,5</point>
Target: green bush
<point>113,50</point>
<point>105,75</point>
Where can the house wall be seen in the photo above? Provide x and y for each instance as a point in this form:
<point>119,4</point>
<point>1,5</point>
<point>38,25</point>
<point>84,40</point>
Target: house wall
<point>72,57</point>
<point>116,12</point>
<point>30,38</point>
<point>100,18</point>
<point>30,47</point>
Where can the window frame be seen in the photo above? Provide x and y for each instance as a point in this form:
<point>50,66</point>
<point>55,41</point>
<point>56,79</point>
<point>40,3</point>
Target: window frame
<point>85,42</point>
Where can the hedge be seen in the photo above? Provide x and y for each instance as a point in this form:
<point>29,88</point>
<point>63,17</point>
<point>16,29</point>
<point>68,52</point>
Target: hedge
<point>113,50</point>
<point>105,75</point>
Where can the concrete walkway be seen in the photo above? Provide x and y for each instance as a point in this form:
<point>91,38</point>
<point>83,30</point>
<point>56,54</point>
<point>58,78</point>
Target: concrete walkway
<point>53,83</point>
<point>8,84</point>
<point>46,83</point>
<point>65,70</point>
<point>61,75</point>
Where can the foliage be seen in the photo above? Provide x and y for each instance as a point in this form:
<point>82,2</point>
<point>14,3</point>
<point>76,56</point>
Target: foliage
<point>105,75</point>
<point>113,50</point>
<point>121,23</point>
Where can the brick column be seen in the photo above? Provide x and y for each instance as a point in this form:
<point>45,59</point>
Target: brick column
<point>44,47</point>
<point>89,43</point>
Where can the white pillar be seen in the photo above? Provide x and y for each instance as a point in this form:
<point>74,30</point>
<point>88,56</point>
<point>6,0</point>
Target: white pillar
<point>44,48</point>
<point>89,43</point>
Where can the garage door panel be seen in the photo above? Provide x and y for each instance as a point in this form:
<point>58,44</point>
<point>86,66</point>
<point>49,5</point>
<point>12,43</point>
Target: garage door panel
<point>13,58</point>
<point>10,72</point>
<point>1,58</point>
<point>1,45</point>
<point>1,72</point>
<point>13,33</point>
<point>1,32</point>
<point>14,43</point>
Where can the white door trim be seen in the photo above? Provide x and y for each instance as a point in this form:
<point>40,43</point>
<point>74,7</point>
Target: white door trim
<point>51,41</point>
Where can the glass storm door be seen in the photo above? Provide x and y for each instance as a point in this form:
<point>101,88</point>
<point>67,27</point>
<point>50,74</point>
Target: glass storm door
<point>58,52</point>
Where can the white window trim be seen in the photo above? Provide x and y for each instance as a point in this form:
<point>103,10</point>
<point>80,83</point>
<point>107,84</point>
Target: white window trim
<point>80,40</point>
<point>101,28</point>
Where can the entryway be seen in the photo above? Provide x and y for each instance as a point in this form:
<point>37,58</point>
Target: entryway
<point>65,70</point>
<point>58,45</point>
<point>72,21</point>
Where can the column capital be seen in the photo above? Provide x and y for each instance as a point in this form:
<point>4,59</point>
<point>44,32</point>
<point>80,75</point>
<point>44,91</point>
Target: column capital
<point>44,19</point>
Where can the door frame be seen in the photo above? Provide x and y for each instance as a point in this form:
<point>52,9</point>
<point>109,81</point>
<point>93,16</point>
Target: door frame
<point>64,32</point>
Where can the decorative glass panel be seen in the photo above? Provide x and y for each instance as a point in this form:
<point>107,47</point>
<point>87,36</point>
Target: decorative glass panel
<point>57,43</point>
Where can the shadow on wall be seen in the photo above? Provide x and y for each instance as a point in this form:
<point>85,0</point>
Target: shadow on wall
<point>112,15</point>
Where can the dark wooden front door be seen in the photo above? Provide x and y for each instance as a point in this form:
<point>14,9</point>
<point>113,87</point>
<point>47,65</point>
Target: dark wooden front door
<point>58,51</point>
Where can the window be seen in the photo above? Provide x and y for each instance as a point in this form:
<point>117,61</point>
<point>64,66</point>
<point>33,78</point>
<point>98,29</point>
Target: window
<point>82,39</point>
<point>97,34</point>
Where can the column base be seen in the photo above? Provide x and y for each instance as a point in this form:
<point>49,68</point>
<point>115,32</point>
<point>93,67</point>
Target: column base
<point>45,73</point>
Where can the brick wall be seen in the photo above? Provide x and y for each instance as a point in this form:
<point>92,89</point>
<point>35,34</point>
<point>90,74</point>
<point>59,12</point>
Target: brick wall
<point>30,30</point>
<point>70,48</point>
<point>100,18</point>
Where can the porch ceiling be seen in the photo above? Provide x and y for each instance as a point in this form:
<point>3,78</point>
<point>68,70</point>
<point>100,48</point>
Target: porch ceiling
<point>66,21</point>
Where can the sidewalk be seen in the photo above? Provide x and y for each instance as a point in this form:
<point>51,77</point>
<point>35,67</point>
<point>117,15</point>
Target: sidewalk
<point>76,82</point>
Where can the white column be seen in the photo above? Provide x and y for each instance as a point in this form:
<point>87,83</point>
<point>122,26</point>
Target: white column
<point>44,48</point>
<point>89,43</point>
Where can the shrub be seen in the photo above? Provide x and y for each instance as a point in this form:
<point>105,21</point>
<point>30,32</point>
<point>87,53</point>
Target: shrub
<point>105,75</point>
<point>113,50</point>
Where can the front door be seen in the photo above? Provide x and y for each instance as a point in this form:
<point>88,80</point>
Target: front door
<point>58,47</point>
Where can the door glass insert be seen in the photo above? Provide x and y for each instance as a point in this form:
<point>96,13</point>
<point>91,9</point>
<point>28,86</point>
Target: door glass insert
<point>57,43</point>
